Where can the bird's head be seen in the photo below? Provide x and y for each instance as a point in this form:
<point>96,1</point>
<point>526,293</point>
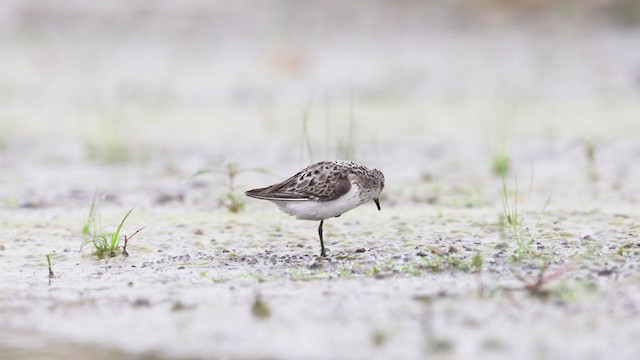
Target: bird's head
<point>379,182</point>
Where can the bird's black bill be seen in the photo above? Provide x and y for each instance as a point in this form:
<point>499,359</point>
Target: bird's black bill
<point>377,203</point>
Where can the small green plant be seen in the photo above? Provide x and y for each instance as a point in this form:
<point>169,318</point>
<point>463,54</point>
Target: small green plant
<point>512,219</point>
<point>476,266</point>
<point>500,163</point>
<point>231,199</point>
<point>375,270</point>
<point>624,249</point>
<point>260,309</point>
<point>432,264</point>
<point>232,202</point>
<point>411,270</point>
<point>49,264</point>
<point>104,244</point>
<point>476,263</point>
<point>510,209</point>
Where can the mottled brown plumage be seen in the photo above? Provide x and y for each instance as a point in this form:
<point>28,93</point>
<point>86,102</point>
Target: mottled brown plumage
<point>321,181</point>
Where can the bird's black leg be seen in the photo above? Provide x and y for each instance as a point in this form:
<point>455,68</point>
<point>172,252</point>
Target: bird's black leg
<point>322,252</point>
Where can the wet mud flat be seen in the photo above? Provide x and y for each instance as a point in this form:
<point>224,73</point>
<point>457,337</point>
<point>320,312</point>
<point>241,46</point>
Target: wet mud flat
<point>510,222</point>
<point>411,281</point>
<point>458,264</point>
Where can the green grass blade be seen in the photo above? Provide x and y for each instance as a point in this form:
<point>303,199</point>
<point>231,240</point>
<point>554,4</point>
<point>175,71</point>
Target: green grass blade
<point>86,229</point>
<point>116,235</point>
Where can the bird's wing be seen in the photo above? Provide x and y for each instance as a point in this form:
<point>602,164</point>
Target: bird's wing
<point>323,181</point>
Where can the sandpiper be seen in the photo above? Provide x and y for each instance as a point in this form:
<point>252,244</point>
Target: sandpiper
<point>324,190</point>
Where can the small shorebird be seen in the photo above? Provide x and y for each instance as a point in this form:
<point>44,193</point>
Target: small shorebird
<point>324,190</point>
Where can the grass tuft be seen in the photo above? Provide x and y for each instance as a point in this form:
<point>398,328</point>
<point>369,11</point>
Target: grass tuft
<point>476,263</point>
<point>512,220</point>
<point>104,244</point>
<point>511,223</point>
<point>232,200</point>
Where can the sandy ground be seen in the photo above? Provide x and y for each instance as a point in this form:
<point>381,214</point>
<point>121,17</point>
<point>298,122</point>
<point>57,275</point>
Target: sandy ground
<point>131,102</point>
<point>189,286</point>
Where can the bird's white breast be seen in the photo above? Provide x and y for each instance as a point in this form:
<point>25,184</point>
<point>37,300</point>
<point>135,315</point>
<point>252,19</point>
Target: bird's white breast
<point>321,210</point>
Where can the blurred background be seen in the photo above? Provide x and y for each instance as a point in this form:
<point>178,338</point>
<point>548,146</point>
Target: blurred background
<point>421,88</point>
<point>483,115</point>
